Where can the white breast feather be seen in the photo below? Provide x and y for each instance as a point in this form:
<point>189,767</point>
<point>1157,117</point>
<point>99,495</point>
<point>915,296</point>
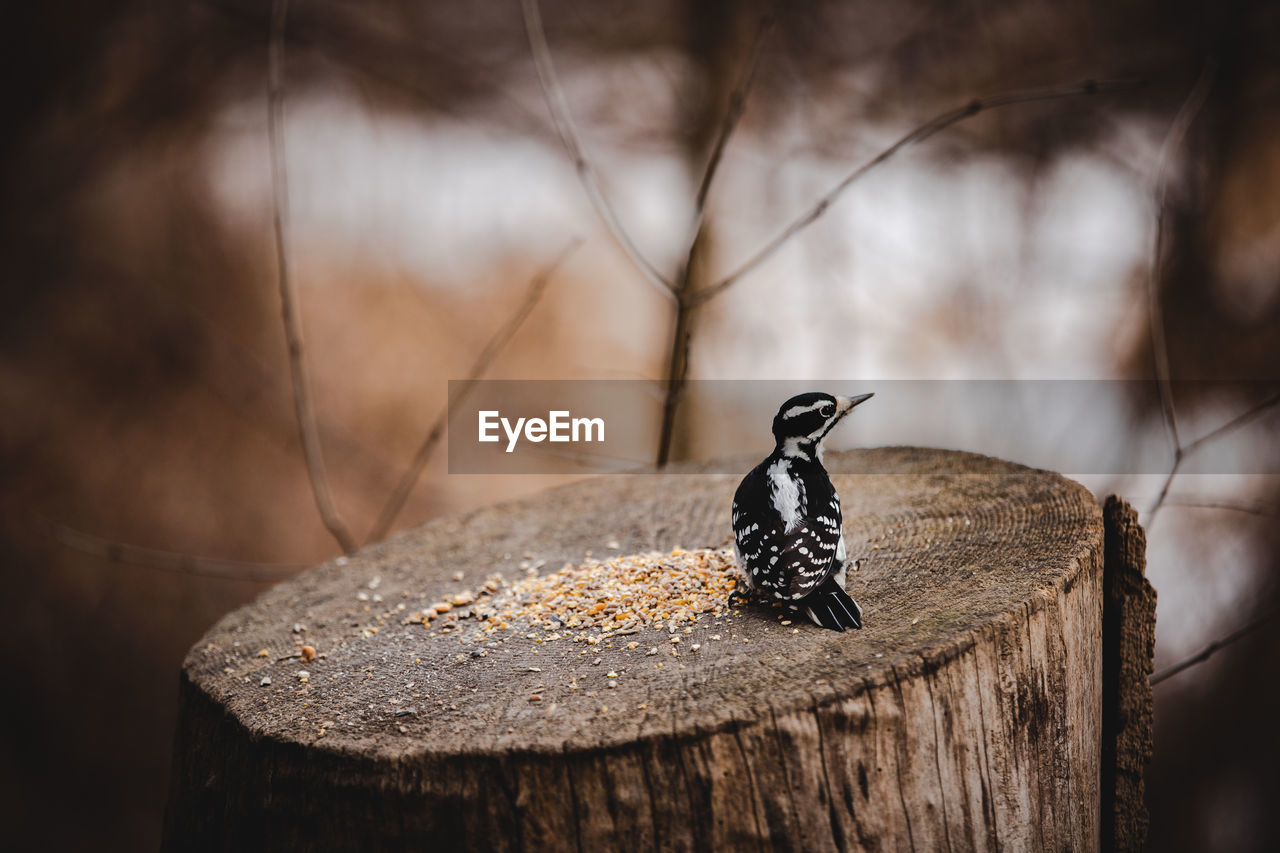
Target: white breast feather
<point>785,492</point>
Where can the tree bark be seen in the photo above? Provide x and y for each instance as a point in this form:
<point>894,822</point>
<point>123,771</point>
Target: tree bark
<point>965,715</point>
<point>1128,659</point>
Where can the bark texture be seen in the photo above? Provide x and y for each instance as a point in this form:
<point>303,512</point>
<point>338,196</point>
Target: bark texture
<point>1129,645</point>
<point>965,715</point>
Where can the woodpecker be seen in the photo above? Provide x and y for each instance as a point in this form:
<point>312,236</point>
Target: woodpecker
<point>786,516</point>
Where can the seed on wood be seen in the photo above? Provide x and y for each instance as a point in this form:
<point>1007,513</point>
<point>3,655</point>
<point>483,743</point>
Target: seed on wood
<point>609,598</point>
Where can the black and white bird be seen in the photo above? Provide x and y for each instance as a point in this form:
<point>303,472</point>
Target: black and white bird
<point>786,516</point>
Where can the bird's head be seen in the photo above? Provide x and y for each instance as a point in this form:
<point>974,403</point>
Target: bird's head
<point>804,421</point>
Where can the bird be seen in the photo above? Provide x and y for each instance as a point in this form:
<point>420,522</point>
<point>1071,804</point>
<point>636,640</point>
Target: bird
<point>787,528</point>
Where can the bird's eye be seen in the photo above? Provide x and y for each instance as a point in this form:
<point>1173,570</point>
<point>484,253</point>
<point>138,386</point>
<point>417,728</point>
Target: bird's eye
<point>827,410</point>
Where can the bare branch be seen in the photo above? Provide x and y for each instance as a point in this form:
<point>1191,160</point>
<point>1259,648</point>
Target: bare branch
<point>1208,651</point>
<point>685,285</point>
<point>737,105</point>
<point>168,561</point>
<point>1159,346</point>
<point>303,408</point>
<point>500,339</point>
<point>1256,508</point>
<point>1179,453</point>
<point>938,123</point>
<point>677,364</point>
<point>1248,416</point>
<point>559,108</point>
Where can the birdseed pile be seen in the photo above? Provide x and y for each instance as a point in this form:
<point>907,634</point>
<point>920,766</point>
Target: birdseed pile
<point>593,601</point>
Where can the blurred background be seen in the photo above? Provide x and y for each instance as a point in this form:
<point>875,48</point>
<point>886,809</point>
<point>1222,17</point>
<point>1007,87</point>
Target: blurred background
<point>151,474</point>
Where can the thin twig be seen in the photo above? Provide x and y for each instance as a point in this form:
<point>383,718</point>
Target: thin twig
<point>1256,508</point>
<point>737,105</point>
<point>168,561</point>
<point>1244,418</point>
<point>563,120</point>
<point>684,288</point>
<point>1155,314</point>
<point>921,133</point>
<point>1208,651</point>
<point>303,408</point>
<point>677,366</point>
<point>1180,453</point>
<point>496,343</point>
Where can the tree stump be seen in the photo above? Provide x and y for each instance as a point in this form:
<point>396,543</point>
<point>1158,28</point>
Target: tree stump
<point>965,715</point>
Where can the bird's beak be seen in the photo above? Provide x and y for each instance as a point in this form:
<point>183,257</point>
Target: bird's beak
<point>846,404</point>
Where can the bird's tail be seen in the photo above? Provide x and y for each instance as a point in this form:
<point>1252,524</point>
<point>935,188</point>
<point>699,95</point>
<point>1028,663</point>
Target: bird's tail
<point>831,607</point>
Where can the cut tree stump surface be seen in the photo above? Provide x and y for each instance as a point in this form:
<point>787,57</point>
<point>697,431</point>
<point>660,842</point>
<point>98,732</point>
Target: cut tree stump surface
<point>964,715</point>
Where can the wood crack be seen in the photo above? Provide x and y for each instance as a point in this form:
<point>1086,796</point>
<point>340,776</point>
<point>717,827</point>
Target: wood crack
<point>832,815</point>
<point>1035,756</point>
<point>653,801</point>
<point>988,788</point>
<point>751,783</point>
<point>786,775</point>
<point>937,761</point>
<point>511,791</point>
<point>900,765</point>
<point>573,801</point>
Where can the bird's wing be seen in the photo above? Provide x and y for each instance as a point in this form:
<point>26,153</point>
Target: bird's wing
<point>807,556</point>
<point>749,533</point>
<point>788,563</point>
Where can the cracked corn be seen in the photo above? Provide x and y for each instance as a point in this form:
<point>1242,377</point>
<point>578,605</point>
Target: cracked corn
<point>599,599</point>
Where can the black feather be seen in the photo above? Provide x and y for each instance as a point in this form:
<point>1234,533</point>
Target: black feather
<point>832,608</point>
